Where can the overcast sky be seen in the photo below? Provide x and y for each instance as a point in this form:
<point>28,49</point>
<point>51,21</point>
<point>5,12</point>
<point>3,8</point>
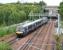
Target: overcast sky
<point>49,2</point>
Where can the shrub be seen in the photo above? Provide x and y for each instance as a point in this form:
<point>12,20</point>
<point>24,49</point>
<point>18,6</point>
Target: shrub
<point>4,46</point>
<point>58,42</point>
<point>7,30</point>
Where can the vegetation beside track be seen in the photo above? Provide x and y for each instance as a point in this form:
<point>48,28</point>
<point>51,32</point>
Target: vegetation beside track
<point>5,46</point>
<point>58,42</point>
<point>7,30</point>
<point>61,10</point>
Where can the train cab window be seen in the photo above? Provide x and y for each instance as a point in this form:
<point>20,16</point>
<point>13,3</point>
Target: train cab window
<point>22,29</point>
<point>18,28</point>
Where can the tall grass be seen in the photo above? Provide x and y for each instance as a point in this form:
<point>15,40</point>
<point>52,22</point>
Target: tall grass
<point>5,46</point>
<point>58,42</point>
<point>7,30</point>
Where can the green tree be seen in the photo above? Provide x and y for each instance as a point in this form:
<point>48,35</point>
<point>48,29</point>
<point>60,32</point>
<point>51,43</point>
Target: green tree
<point>15,13</point>
<point>61,10</point>
<point>42,3</point>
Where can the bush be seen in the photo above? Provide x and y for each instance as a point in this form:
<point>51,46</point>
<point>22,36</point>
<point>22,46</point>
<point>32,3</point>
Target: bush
<point>58,42</point>
<point>4,46</point>
<point>7,30</point>
<point>61,10</point>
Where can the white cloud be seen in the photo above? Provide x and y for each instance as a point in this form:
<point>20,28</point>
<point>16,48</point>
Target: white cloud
<point>53,2</point>
<point>49,2</point>
<point>7,1</point>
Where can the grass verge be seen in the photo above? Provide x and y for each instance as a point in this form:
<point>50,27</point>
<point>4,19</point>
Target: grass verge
<point>5,46</point>
<point>7,30</point>
<point>58,42</point>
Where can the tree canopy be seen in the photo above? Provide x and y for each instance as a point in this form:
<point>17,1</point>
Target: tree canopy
<point>61,10</point>
<point>12,13</point>
<point>42,3</point>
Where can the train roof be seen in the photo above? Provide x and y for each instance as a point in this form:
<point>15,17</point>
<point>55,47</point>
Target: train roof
<point>25,25</point>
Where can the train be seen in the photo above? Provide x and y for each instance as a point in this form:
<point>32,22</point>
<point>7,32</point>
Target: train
<point>24,29</point>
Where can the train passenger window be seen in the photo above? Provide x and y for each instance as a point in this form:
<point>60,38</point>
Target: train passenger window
<point>37,23</point>
<point>33,24</point>
<point>25,28</point>
<point>29,26</point>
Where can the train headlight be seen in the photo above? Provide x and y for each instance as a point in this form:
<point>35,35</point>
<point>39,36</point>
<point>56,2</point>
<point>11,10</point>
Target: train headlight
<point>19,32</point>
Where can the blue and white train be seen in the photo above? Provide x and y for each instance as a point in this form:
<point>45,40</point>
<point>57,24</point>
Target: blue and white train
<point>23,30</point>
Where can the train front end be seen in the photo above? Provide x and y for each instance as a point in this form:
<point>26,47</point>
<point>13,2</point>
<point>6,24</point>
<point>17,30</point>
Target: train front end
<point>19,32</point>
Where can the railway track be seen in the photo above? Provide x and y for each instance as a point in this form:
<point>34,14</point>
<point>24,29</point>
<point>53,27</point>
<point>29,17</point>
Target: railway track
<point>34,40</point>
<point>29,41</point>
<point>7,38</point>
<point>43,38</point>
<point>13,39</point>
<point>50,45</point>
<point>20,43</point>
<point>39,40</point>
